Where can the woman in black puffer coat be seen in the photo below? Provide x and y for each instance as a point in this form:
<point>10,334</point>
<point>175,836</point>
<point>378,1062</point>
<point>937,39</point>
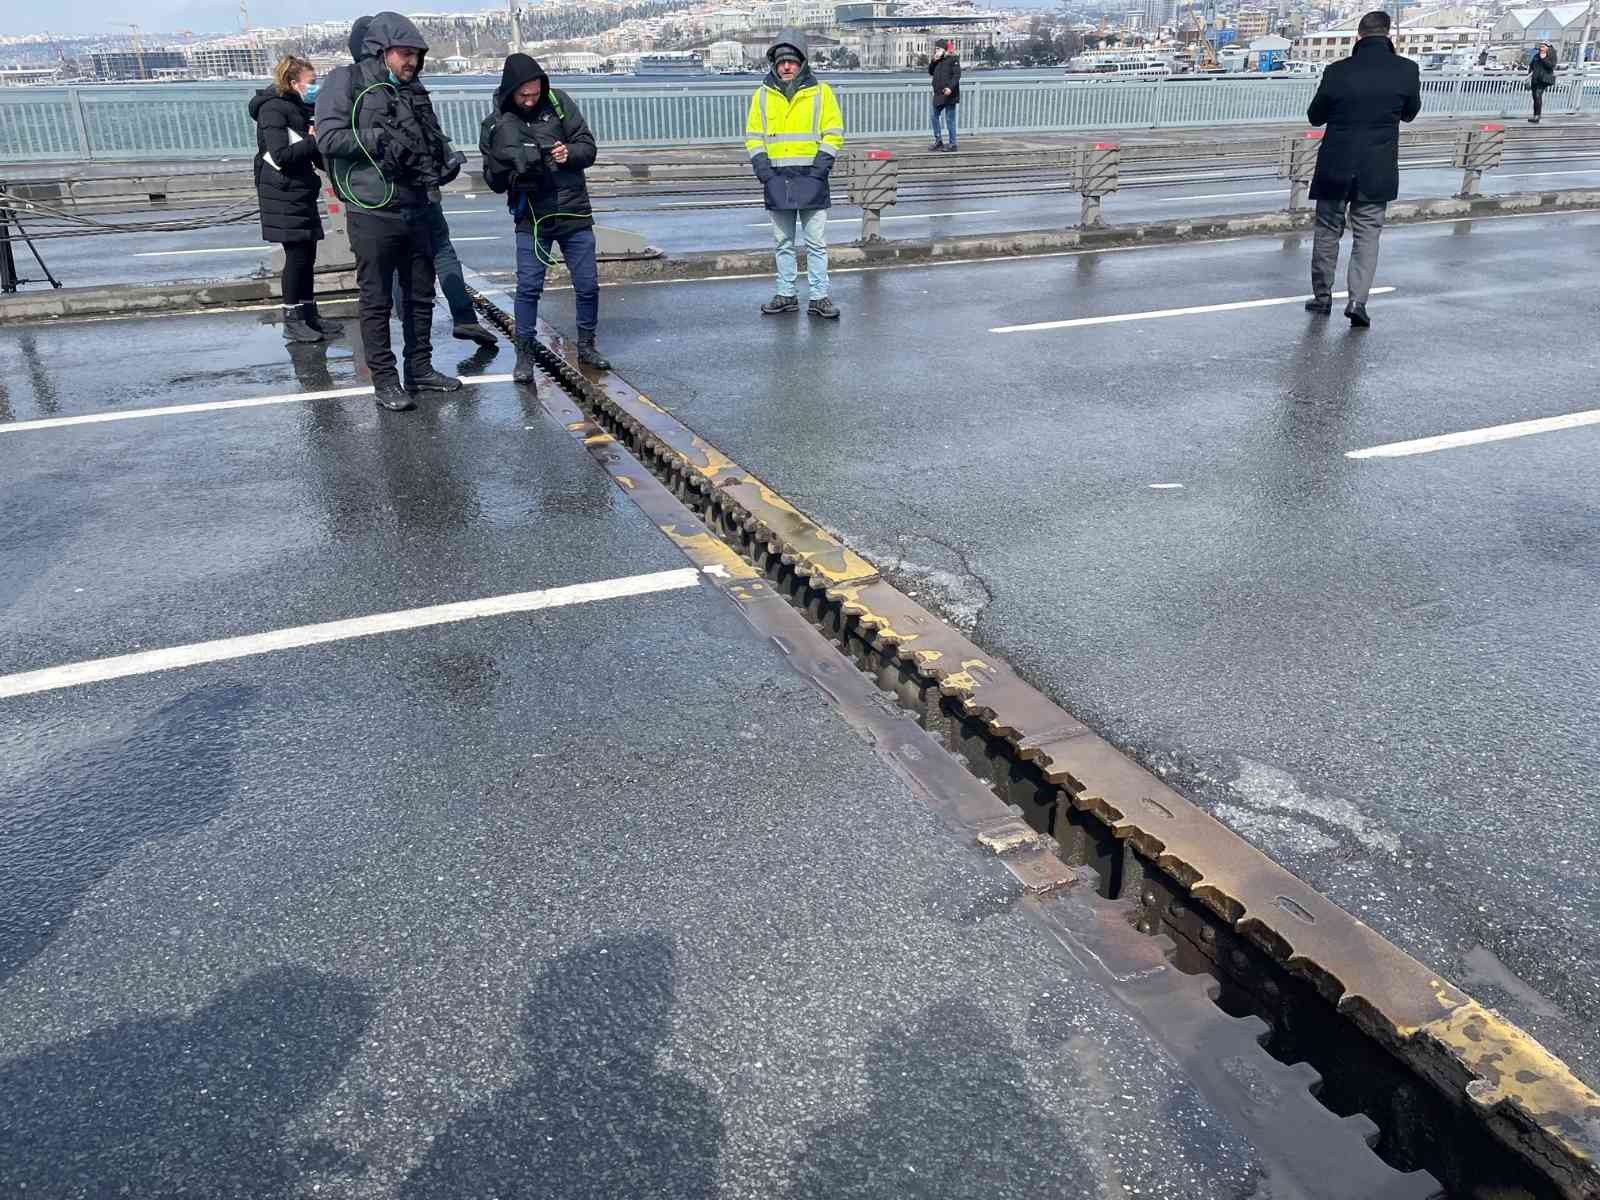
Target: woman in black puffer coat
<point>1541,75</point>
<point>287,186</point>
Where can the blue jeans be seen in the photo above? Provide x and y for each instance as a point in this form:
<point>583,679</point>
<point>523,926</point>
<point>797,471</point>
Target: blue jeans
<point>813,226</point>
<point>577,251</point>
<point>949,111</point>
<point>447,267</point>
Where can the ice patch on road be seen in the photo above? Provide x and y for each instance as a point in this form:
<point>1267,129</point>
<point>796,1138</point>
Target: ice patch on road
<point>1265,787</point>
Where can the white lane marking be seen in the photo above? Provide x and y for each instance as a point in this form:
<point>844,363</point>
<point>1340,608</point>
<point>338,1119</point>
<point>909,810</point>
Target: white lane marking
<point>1156,313</point>
<point>488,237</point>
<point>1221,195</point>
<point>170,410</point>
<point>1163,487</point>
<point>976,212</point>
<point>258,248</point>
<point>98,670</point>
<point>1475,437</point>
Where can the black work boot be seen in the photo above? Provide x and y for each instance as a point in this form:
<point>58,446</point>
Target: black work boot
<point>937,146</point>
<point>390,395</point>
<point>472,331</point>
<point>327,327</point>
<point>295,328</point>
<point>428,380</point>
<point>1323,306</point>
<point>588,355</point>
<point>781,304</point>
<point>1358,316</point>
<point>823,307</point>
<point>526,372</point>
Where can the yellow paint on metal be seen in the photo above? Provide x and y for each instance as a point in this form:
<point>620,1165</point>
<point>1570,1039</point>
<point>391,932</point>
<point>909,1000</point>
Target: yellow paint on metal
<point>1511,1068</point>
<point>599,439</point>
<point>928,657</point>
<point>705,550</point>
<point>625,483</point>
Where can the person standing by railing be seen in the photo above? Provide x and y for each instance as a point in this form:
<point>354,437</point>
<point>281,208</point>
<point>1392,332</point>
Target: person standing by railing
<point>287,186</point>
<point>946,72</point>
<point>1541,75</point>
<point>1362,100</point>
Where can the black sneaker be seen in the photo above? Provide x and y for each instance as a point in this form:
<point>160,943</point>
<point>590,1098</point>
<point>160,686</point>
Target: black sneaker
<point>472,331</point>
<point>1358,316</point>
<point>937,146</point>
<point>393,397</point>
<point>1314,305</point>
<point>823,308</point>
<point>950,149</point>
<point>781,304</point>
<point>431,381</point>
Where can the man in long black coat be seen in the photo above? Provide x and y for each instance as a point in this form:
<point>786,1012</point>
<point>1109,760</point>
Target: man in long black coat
<point>1362,101</point>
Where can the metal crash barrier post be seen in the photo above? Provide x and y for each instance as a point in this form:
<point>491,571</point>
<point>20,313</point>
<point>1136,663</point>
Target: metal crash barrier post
<point>1096,172</point>
<point>1297,162</point>
<point>872,179</point>
<point>1479,148</point>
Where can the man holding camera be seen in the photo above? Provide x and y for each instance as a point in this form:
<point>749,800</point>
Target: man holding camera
<point>536,147</point>
<point>386,152</point>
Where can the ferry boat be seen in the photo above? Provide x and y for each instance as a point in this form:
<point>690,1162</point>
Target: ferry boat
<point>668,64</point>
<point>1120,64</point>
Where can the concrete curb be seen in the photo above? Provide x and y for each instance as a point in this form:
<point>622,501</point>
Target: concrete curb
<point>126,300</point>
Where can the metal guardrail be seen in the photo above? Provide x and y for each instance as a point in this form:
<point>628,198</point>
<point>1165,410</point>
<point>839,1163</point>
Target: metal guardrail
<point>210,121</point>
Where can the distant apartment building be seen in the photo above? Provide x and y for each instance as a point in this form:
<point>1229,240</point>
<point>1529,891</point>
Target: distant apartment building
<point>222,62</point>
<point>1251,23</point>
<point>128,64</point>
<point>1414,41</point>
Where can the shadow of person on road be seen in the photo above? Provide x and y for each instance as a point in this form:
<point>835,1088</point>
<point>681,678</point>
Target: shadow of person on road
<point>594,1116</point>
<point>169,1106</point>
<point>70,819</point>
<point>950,1115</point>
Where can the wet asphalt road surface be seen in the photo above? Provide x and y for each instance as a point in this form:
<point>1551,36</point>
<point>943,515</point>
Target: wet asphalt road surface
<point>1382,672</point>
<point>483,237</point>
<point>595,901</point>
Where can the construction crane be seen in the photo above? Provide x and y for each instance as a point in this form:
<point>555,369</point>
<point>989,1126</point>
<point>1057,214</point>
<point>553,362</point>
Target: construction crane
<point>244,16</point>
<point>138,50</point>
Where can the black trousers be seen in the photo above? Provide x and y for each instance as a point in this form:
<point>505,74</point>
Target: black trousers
<point>387,244</point>
<point>299,268</point>
<point>1538,102</point>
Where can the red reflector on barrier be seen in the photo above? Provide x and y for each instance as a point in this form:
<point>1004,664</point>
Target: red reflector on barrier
<point>1105,145</point>
<point>880,155</point>
<point>1492,128</point>
<point>333,210</point>
<point>1312,135</point>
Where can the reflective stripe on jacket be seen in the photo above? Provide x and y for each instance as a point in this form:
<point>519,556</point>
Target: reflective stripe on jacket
<point>793,132</point>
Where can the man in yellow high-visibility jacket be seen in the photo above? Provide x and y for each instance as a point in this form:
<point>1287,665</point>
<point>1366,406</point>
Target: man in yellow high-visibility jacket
<point>793,134</point>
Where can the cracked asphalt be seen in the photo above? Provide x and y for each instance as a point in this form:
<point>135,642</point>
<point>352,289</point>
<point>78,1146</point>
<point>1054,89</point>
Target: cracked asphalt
<point>1382,672</point>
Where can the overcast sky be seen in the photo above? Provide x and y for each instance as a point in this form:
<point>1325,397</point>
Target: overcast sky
<point>203,16</point>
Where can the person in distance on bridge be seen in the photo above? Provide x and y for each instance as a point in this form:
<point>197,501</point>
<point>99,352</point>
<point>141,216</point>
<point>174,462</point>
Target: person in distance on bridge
<point>287,186</point>
<point>946,72</point>
<point>1362,100</point>
<point>386,154</point>
<point>793,133</point>
<point>1541,75</point>
<point>446,263</point>
<point>536,147</point>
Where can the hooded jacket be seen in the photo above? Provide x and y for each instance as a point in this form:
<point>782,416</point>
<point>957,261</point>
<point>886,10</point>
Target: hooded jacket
<point>285,167</point>
<point>1362,100</point>
<point>383,144</point>
<point>516,149</point>
<point>1541,72</point>
<point>946,73</point>
<point>794,132</point>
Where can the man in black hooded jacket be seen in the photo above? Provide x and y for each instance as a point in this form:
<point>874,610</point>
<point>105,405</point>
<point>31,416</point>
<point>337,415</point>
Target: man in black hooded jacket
<point>385,151</point>
<point>536,147</point>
